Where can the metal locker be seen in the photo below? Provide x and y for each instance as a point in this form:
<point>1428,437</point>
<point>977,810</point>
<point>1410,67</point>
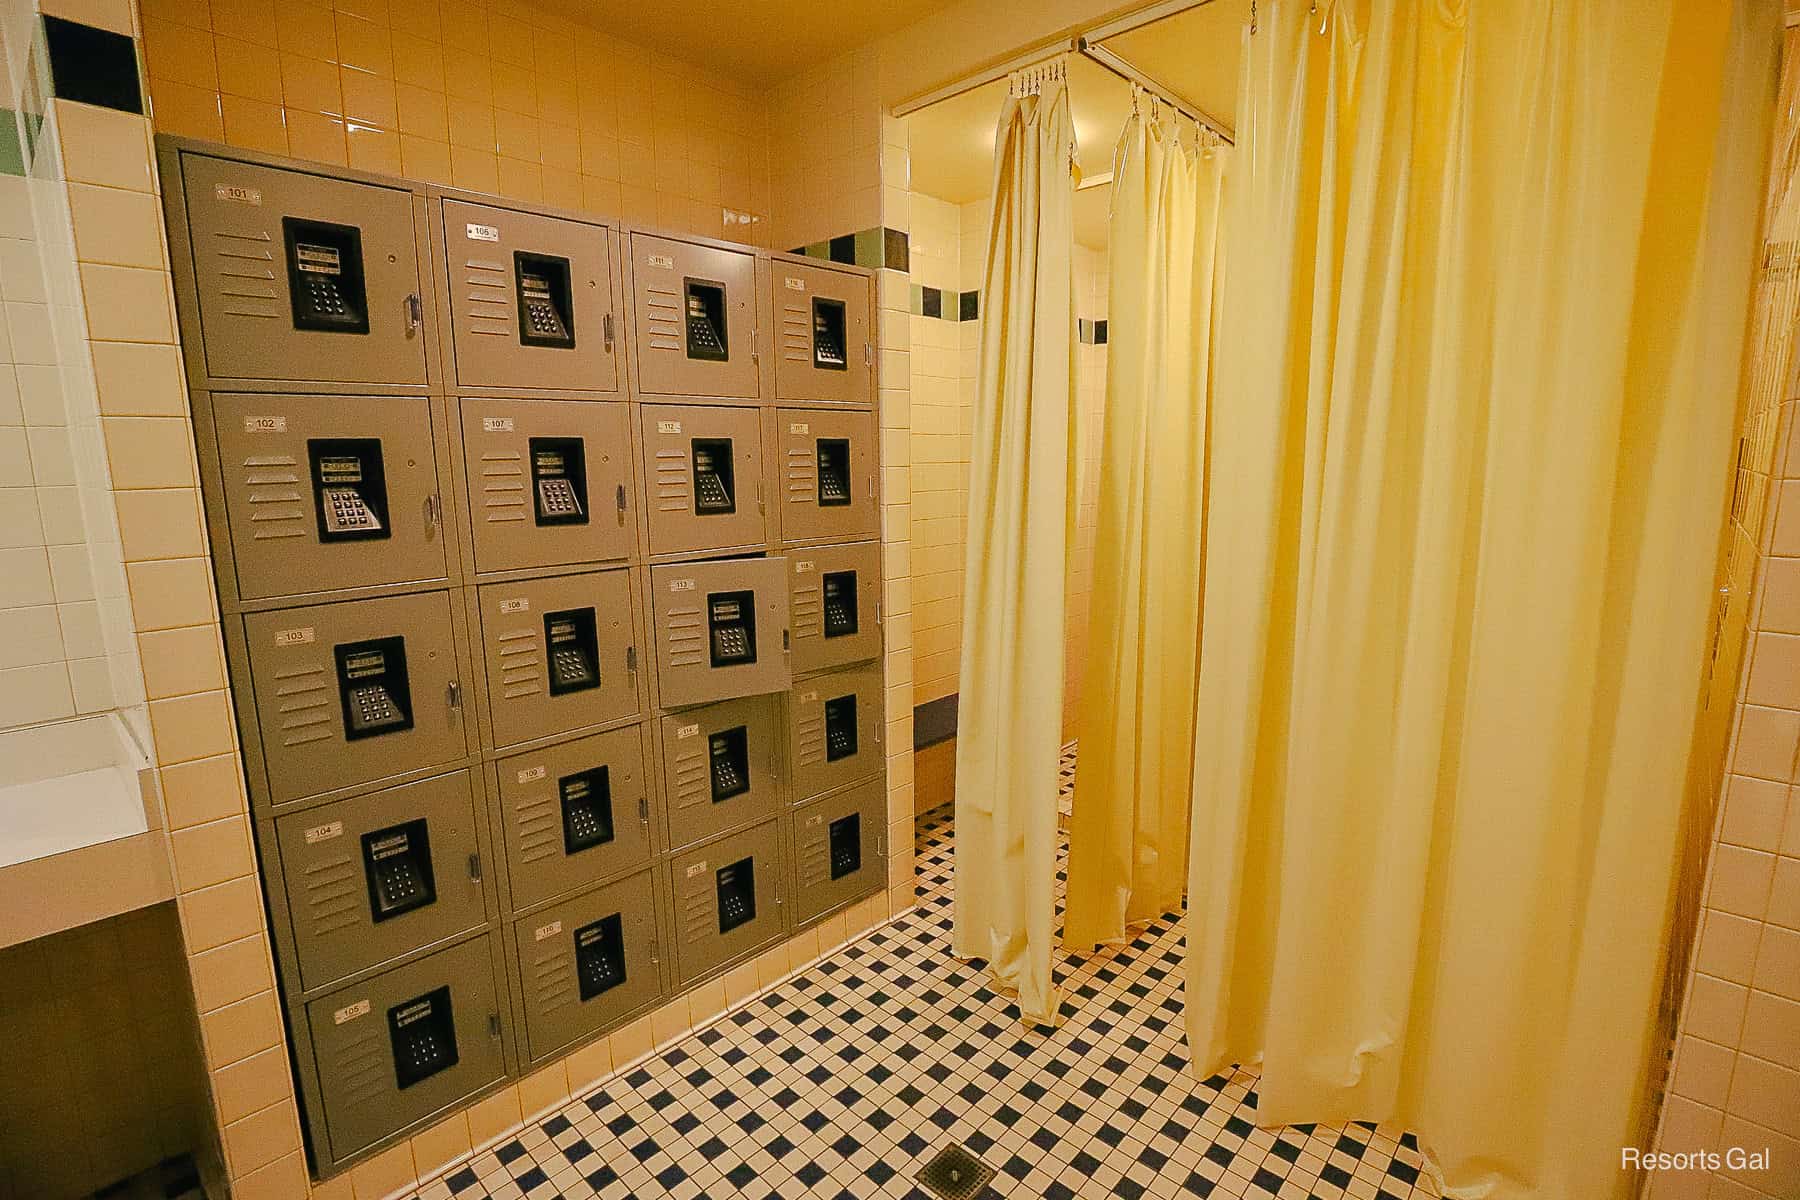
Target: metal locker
<point>839,849</point>
<point>530,300</point>
<point>835,724</point>
<point>560,654</point>
<point>588,962</point>
<point>828,465</point>
<point>721,767</point>
<point>703,478</point>
<point>822,347</point>
<point>549,482</point>
<point>834,605</point>
<point>407,1044</point>
<point>354,692</point>
<point>329,492</point>
<point>303,277</point>
<point>695,313</point>
<point>728,896</point>
<point>573,813</point>
<point>379,876</point>
<point>721,629</point>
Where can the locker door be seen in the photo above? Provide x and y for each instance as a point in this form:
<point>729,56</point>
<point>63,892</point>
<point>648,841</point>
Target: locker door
<point>303,277</point>
<point>838,849</point>
<point>589,962</point>
<point>354,692</point>
<point>549,483</point>
<point>720,767</point>
<point>574,813</point>
<point>703,478</point>
<point>728,896</point>
<point>382,875</point>
<point>721,629</point>
<point>828,463</point>
<point>835,724</point>
<point>560,654</point>
<point>530,300</point>
<point>834,603</point>
<point>823,351</point>
<point>406,1044</point>
<point>695,313</point>
<point>329,492</point>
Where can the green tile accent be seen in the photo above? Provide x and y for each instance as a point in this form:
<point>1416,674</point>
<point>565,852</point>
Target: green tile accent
<point>870,245</point>
<point>12,151</point>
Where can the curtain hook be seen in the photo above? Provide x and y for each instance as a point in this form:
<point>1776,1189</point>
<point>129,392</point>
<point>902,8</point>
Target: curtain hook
<point>1252,18</point>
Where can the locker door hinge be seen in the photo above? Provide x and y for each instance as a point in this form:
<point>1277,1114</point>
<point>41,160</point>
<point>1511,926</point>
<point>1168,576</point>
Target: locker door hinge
<point>493,1024</point>
<point>415,313</point>
<point>621,503</point>
<point>606,331</point>
<point>453,694</point>
<point>475,867</point>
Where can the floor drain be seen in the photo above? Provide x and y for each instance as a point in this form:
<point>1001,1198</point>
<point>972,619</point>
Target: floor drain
<point>956,1174</point>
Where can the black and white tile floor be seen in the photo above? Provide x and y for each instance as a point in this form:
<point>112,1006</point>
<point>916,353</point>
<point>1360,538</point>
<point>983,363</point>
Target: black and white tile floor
<point>845,1080</point>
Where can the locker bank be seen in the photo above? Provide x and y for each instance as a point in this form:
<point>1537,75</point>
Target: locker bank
<point>525,526</point>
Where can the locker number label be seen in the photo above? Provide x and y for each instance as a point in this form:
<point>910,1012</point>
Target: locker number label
<point>808,697</point>
<point>698,868</point>
<point>795,285</point>
<point>533,774</point>
<point>496,424</point>
<point>668,427</point>
<point>265,424</point>
<point>546,931</point>
<point>517,604</point>
<point>814,819</point>
<point>681,585</point>
<point>802,566</point>
<point>687,731</point>
<point>483,233</point>
<point>350,1012</point>
<point>237,193</point>
<point>294,637</point>
<point>800,427</point>
<point>660,260</point>
<point>324,833</point>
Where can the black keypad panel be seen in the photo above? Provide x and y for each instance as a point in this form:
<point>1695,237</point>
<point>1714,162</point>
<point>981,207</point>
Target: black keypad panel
<point>423,1032</point>
<point>737,894</point>
<point>846,845</point>
<point>834,472</point>
<point>397,862</point>
<point>600,956</point>
<point>840,727</point>
<point>586,809</point>
<point>840,603</point>
<point>729,751</point>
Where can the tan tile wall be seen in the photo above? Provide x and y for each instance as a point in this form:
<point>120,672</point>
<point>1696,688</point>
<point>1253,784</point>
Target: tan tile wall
<point>825,151</point>
<point>493,95</point>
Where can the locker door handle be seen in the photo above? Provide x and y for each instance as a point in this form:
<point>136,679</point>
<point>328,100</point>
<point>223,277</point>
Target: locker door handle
<point>415,313</point>
<point>643,810</point>
<point>655,951</point>
<point>784,641</point>
<point>475,868</point>
<point>631,660</point>
<point>606,331</point>
<point>494,1025</point>
<point>759,495</point>
<point>453,694</point>
<point>621,503</point>
<point>434,513</point>
<point>868,355</point>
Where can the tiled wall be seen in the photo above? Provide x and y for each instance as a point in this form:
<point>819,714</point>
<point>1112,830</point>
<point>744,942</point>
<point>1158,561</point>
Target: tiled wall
<point>104,1011</point>
<point>497,96</point>
<point>826,142</point>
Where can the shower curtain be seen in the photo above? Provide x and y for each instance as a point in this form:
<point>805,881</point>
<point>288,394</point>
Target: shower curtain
<point>1021,523</point>
<point>1128,841</point>
<point>1487,287</point>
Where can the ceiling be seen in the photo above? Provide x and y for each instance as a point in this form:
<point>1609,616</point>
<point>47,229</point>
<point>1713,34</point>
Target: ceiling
<point>761,43</point>
<point>1194,53</point>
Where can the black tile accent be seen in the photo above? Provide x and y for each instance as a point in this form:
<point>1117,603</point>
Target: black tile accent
<point>968,306</point>
<point>896,250</point>
<point>843,249</point>
<point>1100,332</point>
<point>934,722</point>
<point>931,301</point>
<point>93,66</point>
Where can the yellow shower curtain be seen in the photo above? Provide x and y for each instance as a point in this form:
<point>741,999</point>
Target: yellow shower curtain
<point>1021,523</point>
<point>1128,842</point>
<point>1486,294</point>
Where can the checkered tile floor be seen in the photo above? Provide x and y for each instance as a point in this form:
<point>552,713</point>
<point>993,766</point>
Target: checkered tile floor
<point>844,1081</point>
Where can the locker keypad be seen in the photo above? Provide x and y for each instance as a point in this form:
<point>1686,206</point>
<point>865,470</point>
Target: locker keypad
<point>586,809</point>
<point>572,642</point>
<point>737,894</point>
<point>706,336</point>
<point>546,316</point>
<point>349,488</point>
<point>840,603</point>
<point>325,276</point>
<point>714,493</point>
<point>423,1034</point>
<point>845,836</point>
<point>372,684</point>
<point>729,752</point>
<point>731,620</point>
<point>559,480</point>
<point>828,334</point>
<point>840,727</point>
<point>834,472</point>
<point>397,864</point>
<point>600,956</point>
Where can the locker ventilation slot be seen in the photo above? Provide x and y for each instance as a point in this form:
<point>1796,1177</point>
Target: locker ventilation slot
<point>397,862</point>
<point>600,956</point>
<point>573,646</point>
<point>729,753</point>
<point>828,330</point>
<point>423,1033</point>
<point>559,480</point>
<point>846,845</point>
<point>731,624</point>
<point>834,472</point>
<point>737,894</point>
<point>840,603</point>
<point>706,336</point>
<point>586,809</point>
<point>840,728</point>
<point>715,491</point>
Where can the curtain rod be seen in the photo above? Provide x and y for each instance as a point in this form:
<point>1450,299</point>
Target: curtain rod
<point>1124,70</point>
<point>1041,53</point>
